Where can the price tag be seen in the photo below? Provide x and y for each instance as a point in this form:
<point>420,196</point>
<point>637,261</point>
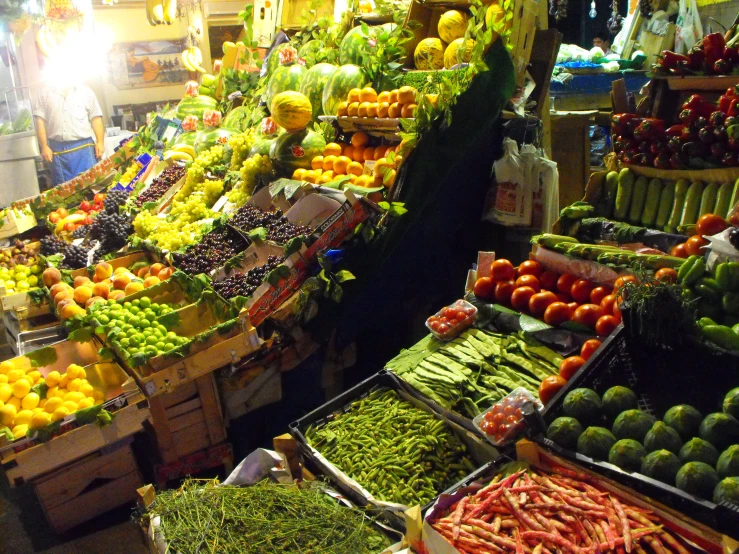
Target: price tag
<point>220,203</point>
<point>369,167</point>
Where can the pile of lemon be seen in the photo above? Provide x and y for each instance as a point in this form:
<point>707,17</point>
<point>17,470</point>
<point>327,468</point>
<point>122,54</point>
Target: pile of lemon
<point>22,410</point>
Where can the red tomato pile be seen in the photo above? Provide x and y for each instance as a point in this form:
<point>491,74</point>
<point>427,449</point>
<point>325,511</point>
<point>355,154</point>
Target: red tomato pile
<point>551,385</point>
<point>707,225</point>
<point>551,297</point>
<point>504,417</point>
<point>452,320</point>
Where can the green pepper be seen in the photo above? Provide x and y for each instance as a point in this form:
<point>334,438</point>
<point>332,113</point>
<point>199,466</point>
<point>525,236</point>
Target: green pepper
<point>723,276</point>
<point>730,303</point>
<point>721,335</point>
<point>733,277</point>
<point>688,295</point>
<point>693,269</point>
<point>709,309</point>
<point>702,322</point>
<point>735,328</point>
<point>708,288</point>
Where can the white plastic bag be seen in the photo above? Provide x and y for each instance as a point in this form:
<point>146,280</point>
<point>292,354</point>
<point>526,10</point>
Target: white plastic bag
<point>543,178</point>
<point>688,29</point>
<point>507,199</point>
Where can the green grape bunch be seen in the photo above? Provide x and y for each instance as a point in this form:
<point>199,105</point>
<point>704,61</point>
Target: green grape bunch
<point>251,170</point>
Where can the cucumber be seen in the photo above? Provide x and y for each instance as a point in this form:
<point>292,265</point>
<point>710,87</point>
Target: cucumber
<point>723,200</point>
<point>638,198</point>
<point>623,194</point>
<point>676,214</point>
<point>708,199</point>
<point>692,204</point>
<point>654,191</point>
<point>665,205</point>
<point>608,194</point>
<point>734,196</point>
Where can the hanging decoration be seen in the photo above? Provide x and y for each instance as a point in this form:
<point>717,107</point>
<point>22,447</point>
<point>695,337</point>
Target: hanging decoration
<point>616,20</point>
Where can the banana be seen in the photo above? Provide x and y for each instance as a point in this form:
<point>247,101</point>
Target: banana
<point>150,12</point>
<point>170,11</point>
<point>73,218</point>
<point>185,149</point>
<point>186,61</point>
<point>177,156</point>
<point>157,12</point>
<point>45,41</point>
<point>196,54</point>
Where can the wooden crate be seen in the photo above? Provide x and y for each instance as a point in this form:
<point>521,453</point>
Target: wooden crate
<point>15,223</point>
<point>188,419</point>
<point>125,260</point>
<point>82,490</point>
<point>29,319</point>
<point>18,300</point>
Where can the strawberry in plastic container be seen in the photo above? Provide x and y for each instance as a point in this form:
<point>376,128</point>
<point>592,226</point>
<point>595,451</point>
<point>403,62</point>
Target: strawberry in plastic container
<point>190,123</point>
<point>192,89</point>
<point>212,118</point>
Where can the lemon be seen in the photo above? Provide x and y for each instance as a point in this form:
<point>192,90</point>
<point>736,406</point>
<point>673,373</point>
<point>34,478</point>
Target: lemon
<point>41,404</point>
<point>7,415</point>
<point>60,413</point>
<point>64,381</point>
<point>21,388</point>
<point>41,419</point>
<point>6,366</point>
<point>51,392</point>
<point>23,417</point>
<point>37,410</point>
<point>53,378</point>
<point>6,391</point>
<point>19,431</point>
<point>3,378</point>
<point>86,389</point>
<point>15,402</point>
<point>81,373</point>
<point>35,375</point>
<point>85,403</point>
<point>30,401</point>
<point>14,375</point>
<point>73,371</point>
<point>74,385</point>
<point>52,404</point>
<point>70,406</point>
<point>98,396</point>
<point>73,397</point>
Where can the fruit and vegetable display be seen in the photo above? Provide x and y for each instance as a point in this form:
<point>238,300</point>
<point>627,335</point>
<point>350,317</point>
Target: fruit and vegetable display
<point>160,185</point>
<point>366,102</point>
<point>423,455</point>
<point>475,370</point>
<point>244,284</point>
<point>694,452</point>
<point>712,55</point>
<point>216,248</point>
<point>526,508</point>
<point>20,267</point>
<point>29,401</point>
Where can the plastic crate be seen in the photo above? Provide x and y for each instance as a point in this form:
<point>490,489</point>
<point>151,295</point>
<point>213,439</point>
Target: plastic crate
<point>660,378</point>
<point>480,450</point>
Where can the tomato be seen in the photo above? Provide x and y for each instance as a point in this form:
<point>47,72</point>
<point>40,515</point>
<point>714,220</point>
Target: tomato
<point>565,282</point>
<point>502,270</point>
<point>529,267</point>
<point>617,309</point>
<point>449,312</point>
<point>503,291</point>
<point>666,274</point>
<point>694,244</point>
<point>548,280</point>
<point>498,418</point>
<point>528,281</point>
<point>557,313</point>
<point>562,297</point>
<point>607,304</point>
<point>573,306</point>
<point>581,291</point>
<point>588,315</point>
<point>569,366</point>
<point>710,224</point>
<point>484,288</point>
<point>489,427</point>
<point>589,347</point>
<point>510,409</point>
<point>598,294</point>
<point>679,251</point>
<point>539,303</point>
<point>606,325</point>
<point>520,298</point>
<point>443,328</point>
<point>549,387</point>
<point>511,420</point>
<point>621,281</point>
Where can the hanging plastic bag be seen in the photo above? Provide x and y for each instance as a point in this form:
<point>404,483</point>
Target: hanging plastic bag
<point>507,199</point>
<point>688,29</point>
<point>542,176</point>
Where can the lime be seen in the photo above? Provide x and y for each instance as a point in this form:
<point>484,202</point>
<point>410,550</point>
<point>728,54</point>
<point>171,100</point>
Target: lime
<point>151,350</point>
<point>127,305</point>
<point>134,310</point>
<point>134,322</point>
<point>111,302</point>
<point>168,346</point>
<point>136,302</point>
<point>133,350</point>
<point>125,343</point>
<point>162,329</point>
<point>151,340</point>
<point>137,339</point>
<point>103,319</point>
<point>151,316</point>
<point>145,302</point>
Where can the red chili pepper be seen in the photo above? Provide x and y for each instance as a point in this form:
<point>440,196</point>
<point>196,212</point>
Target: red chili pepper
<point>675,131</point>
<point>733,108</point>
<point>696,59</point>
<point>620,121</point>
<point>670,60</point>
<point>714,45</point>
<point>724,102</point>
<point>687,116</point>
<point>700,105</point>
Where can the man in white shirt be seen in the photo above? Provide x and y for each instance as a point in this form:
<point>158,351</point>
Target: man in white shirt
<point>71,134</point>
<point>603,41</point>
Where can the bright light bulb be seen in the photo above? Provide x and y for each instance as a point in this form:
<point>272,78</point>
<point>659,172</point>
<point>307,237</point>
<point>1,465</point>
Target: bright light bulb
<point>593,14</point>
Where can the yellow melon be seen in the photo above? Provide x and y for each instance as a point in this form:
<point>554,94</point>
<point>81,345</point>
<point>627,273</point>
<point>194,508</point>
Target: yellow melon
<point>450,54</point>
<point>452,25</point>
<point>429,54</point>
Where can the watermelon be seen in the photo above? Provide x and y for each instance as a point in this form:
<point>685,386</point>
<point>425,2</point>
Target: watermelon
<point>186,138</point>
<point>206,139</point>
<point>273,61</point>
<point>353,43</point>
<point>285,77</point>
<point>291,151</point>
<point>314,83</point>
<point>195,105</point>
<point>236,119</point>
<point>344,79</point>
<point>429,54</point>
<point>261,146</point>
<point>310,49</point>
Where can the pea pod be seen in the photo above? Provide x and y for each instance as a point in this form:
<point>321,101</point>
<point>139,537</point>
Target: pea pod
<point>721,335</point>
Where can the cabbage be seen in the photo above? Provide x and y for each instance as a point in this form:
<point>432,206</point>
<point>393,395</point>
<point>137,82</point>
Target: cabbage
<point>596,54</point>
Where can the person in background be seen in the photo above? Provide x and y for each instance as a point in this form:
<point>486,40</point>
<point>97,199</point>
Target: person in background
<point>603,41</point>
<point>71,134</point>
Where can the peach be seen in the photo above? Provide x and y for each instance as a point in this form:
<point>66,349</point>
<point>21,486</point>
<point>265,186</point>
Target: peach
<point>120,270</point>
<point>143,272</point>
<point>101,290</point>
<point>133,286</point>
<point>51,276</point>
<point>165,274</point>
<point>151,281</point>
<point>94,300</point>
<point>65,302</point>
<point>155,268</point>
<point>116,295</point>
<point>103,270</point>
<point>71,310</point>
<point>81,280</point>
<point>120,281</point>
<point>96,279</point>
<point>82,295</point>
<point>59,287</point>
<point>63,295</point>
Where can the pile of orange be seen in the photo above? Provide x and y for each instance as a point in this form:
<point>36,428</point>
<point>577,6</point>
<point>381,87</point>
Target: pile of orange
<point>367,102</point>
<point>348,159</point>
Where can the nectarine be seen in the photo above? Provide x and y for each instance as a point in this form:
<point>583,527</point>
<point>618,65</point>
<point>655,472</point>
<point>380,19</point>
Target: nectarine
<point>120,281</point>
<point>82,295</point>
<point>81,280</point>
<point>103,270</point>
<point>94,300</point>
<point>63,295</point>
<point>51,276</point>
<point>133,286</point>
<point>165,274</point>
<point>116,295</point>
<point>155,269</point>
<point>101,290</point>
<point>151,281</point>
<point>143,272</point>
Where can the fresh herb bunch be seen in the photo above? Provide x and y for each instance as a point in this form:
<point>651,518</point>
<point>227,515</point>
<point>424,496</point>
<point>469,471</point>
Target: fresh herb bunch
<point>266,518</point>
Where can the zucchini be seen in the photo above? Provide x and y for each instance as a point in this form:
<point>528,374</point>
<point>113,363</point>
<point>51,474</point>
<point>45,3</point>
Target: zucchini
<point>734,196</point>
<point>692,204</point>
<point>654,191</point>
<point>608,194</point>
<point>665,205</point>
<point>678,205</point>
<point>638,198</point>
<point>708,199</point>
<point>723,200</point>
<point>623,194</point>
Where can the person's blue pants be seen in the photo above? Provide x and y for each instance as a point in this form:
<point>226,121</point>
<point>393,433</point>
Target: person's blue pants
<point>71,158</point>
